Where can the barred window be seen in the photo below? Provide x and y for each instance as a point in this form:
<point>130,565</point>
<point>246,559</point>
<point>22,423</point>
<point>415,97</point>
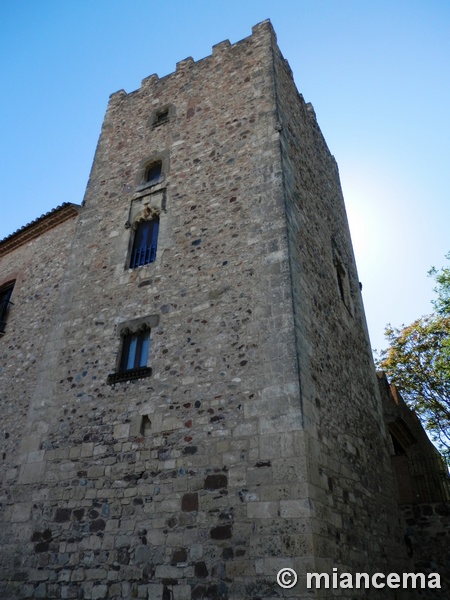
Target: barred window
<point>145,243</point>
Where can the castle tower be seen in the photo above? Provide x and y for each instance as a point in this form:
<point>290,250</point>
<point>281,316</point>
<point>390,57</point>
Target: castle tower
<point>187,384</point>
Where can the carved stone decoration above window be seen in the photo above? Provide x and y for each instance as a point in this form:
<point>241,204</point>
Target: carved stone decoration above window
<point>147,214</point>
<point>137,325</point>
<point>146,206</point>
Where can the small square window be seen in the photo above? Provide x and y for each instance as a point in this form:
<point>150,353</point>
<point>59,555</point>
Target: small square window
<point>153,173</point>
<point>145,243</point>
<point>5,302</point>
<point>161,117</point>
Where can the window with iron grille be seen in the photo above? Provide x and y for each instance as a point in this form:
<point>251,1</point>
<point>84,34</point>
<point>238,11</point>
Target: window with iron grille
<point>5,301</point>
<point>144,243</point>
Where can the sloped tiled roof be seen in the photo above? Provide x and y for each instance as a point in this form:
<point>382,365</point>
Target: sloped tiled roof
<point>44,223</point>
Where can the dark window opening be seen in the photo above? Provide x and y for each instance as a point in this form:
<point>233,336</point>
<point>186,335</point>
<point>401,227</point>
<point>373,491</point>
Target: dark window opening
<point>161,117</point>
<point>343,285</point>
<point>153,173</point>
<point>398,448</point>
<point>145,243</point>
<point>135,349</point>
<point>5,295</point>
<point>146,426</point>
<point>340,278</point>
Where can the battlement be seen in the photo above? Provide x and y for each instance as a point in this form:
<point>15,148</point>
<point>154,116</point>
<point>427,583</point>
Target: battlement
<point>219,52</point>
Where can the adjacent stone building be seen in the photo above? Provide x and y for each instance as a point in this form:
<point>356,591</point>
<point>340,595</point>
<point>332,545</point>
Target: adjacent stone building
<point>188,397</point>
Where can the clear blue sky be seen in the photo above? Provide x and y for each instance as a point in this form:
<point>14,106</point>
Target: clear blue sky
<point>376,71</point>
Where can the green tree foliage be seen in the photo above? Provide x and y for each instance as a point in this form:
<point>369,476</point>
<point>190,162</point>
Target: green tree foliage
<point>442,278</point>
<point>418,362</point>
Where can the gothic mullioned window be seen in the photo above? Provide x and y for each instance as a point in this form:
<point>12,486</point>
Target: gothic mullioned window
<point>134,351</point>
<point>134,356</point>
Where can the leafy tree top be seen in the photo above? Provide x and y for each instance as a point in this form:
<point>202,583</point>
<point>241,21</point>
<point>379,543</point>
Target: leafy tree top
<point>417,361</point>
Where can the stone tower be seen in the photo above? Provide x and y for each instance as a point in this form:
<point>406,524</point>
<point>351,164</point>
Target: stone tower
<point>188,395</point>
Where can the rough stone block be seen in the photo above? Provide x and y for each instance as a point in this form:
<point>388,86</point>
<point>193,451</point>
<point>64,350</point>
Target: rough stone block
<point>189,502</point>
<point>263,510</point>
<point>21,512</point>
<point>32,473</point>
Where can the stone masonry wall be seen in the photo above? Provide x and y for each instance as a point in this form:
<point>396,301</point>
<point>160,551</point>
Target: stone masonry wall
<point>428,537</point>
<point>356,522</point>
<point>38,268</point>
<point>205,497</point>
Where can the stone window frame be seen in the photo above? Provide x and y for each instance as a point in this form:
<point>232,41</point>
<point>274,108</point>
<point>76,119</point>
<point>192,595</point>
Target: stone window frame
<point>144,166</point>
<point>129,328</point>
<point>161,115</point>
<point>145,207</point>
<point>6,291</point>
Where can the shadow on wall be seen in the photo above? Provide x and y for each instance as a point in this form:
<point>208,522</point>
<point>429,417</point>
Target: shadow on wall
<point>420,470</point>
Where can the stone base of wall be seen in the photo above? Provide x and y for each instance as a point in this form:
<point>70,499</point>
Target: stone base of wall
<point>428,537</point>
